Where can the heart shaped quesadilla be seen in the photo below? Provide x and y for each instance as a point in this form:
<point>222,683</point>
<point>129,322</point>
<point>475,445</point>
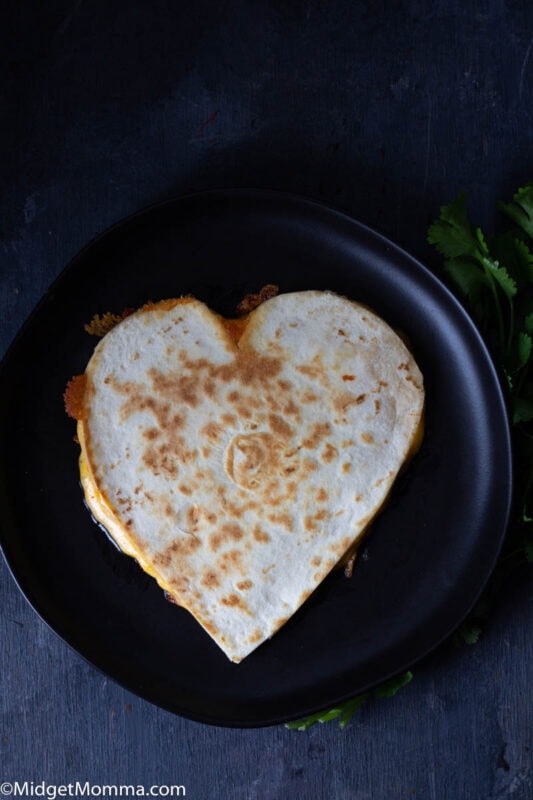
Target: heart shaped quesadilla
<point>239,460</point>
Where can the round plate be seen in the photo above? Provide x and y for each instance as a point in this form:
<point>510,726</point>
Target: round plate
<point>428,554</point>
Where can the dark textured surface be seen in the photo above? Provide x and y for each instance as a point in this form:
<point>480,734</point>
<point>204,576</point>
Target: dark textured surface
<point>385,110</point>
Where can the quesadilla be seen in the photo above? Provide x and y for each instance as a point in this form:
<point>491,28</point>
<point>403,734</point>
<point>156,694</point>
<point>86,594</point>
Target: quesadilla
<point>238,461</point>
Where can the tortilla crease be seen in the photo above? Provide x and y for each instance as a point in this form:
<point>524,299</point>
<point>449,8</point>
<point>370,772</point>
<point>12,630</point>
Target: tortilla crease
<point>239,462</point>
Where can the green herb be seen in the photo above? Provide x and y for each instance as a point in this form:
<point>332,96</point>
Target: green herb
<point>495,276</point>
<point>345,711</point>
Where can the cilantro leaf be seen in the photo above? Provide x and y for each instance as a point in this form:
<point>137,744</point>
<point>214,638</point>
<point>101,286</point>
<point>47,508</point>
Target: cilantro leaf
<point>345,712</point>
<point>521,209</point>
<point>516,256</point>
<point>467,633</point>
<point>392,686</point>
<point>452,233</point>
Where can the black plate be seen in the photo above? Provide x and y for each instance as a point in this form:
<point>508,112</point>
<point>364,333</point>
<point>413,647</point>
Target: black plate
<point>428,555</point>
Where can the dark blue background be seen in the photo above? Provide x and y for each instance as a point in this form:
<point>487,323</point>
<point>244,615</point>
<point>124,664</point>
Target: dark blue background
<point>385,110</point>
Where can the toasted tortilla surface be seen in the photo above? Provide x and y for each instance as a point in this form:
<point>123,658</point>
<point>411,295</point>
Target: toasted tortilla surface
<point>238,461</point>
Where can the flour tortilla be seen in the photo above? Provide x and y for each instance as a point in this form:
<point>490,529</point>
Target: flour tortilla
<point>238,473</point>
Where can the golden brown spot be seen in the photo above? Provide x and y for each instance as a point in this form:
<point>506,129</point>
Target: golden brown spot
<point>322,495</point>
<point>309,397</point>
<point>279,426</point>
<point>280,622</point>
<point>205,451</point>
<point>184,546</point>
<point>210,579</point>
<point>255,637</point>
<point>285,386</point>
<point>348,377</point>
<point>304,595</point>
<point>184,489</point>
<point>346,399</point>
<point>244,585</point>
<point>358,498</point>
<point>316,561</point>
<point>320,430</point>
<point>282,519</point>
<point>412,380</point>
<point>260,535</point>
<point>308,465</point>
<point>346,467</point>
<point>341,332</point>
<point>211,431</point>
<point>377,406</point>
<point>151,434</point>
<point>209,388</point>
<point>178,389</point>
<point>404,366</point>
<point>291,409</point>
<point>231,600</point>
<point>233,397</point>
<point>228,419</point>
<point>367,438</point>
<point>329,453</point>
<point>193,517</point>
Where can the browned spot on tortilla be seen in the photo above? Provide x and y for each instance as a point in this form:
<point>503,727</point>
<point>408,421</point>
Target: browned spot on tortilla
<point>211,431</point>
<point>291,409</point>
<point>309,371</point>
<point>358,498</point>
<point>233,397</point>
<point>228,419</point>
<point>346,467</point>
<point>74,396</point>
<point>304,595</point>
<point>308,465</point>
<point>210,579</point>
<point>169,511</point>
<point>184,489</point>
<point>279,426</point>
<point>404,365</point>
<point>255,637</point>
<point>362,338</point>
<point>184,546</point>
<point>151,434</point>
<point>260,535</point>
<point>320,431</point>
<point>377,406</point>
<point>244,412</point>
<point>228,532</point>
<point>193,518</point>
<point>316,561</point>
<point>205,451</point>
<point>176,388</point>
<point>282,519</point>
<point>249,368</point>
<point>309,397</point>
<point>348,377</point>
<point>341,332</point>
<point>244,585</point>
<point>367,438</point>
<point>280,622</point>
<point>415,383</point>
<point>231,600</point>
<point>329,453</point>
<point>347,399</point>
<point>347,443</point>
<point>284,385</point>
<point>209,388</point>
<point>322,495</point>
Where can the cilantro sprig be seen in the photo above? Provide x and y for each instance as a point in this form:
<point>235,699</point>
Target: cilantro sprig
<point>345,711</point>
<point>495,276</point>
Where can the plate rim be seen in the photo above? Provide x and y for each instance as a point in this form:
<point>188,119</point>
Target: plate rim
<point>300,201</point>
